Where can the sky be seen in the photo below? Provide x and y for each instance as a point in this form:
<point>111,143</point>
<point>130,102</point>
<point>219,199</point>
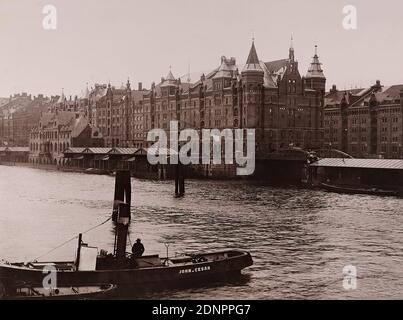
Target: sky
<point>101,41</point>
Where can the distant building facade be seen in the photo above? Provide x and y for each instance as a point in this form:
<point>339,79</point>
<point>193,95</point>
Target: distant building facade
<point>18,116</point>
<point>118,113</point>
<point>365,122</point>
<point>58,131</point>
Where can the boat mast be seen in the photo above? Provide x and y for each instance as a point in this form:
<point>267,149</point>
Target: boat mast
<point>121,212</point>
<point>80,237</point>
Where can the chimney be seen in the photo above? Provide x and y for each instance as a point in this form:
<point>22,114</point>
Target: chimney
<point>140,86</point>
<point>334,89</point>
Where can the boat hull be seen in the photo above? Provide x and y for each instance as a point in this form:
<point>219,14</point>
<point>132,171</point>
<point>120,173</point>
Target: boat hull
<point>350,190</point>
<point>152,277</point>
<point>62,293</point>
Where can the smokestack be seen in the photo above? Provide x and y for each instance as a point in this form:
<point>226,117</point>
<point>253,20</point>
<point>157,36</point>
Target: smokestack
<point>140,86</point>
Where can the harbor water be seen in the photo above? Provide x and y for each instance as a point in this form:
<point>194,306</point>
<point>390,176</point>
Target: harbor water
<point>300,239</point>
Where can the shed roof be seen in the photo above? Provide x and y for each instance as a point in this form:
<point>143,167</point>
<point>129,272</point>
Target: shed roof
<point>97,150</point>
<point>123,151</point>
<point>392,164</point>
<point>74,150</point>
<point>14,149</point>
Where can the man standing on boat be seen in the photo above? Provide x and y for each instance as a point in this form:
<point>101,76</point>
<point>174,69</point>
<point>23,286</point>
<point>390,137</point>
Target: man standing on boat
<point>138,249</point>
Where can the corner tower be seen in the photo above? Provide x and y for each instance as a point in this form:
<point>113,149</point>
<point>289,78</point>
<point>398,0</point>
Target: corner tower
<point>252,77</point>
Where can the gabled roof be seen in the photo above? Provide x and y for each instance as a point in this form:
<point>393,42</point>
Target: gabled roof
<point>275,66</point>
<point>336,97</point>
<point>268,79</point>
<point>62,118</point>
<point>78,125</point>
<point>388,95</point>
<point>393,91</point>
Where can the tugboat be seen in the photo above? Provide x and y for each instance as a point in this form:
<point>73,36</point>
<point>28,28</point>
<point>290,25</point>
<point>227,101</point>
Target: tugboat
<point>124,269</point>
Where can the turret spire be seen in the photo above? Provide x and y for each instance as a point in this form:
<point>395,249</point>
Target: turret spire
<point>315,70</point>
<point>252,63</point>
<point>128,83</point>
<point>170,76</point>
<point>86,92</point>
<point>291,53</point>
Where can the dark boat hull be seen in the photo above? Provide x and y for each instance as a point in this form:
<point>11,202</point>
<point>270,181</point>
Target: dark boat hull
<point>96,292</point>
<point>350,190</point>
<point>153,277</point>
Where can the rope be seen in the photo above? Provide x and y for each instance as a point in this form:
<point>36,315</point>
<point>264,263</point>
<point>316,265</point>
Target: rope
<point>66,242</point>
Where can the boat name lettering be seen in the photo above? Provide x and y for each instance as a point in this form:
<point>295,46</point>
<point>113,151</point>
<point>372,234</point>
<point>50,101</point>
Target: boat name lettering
<point>199,269</point>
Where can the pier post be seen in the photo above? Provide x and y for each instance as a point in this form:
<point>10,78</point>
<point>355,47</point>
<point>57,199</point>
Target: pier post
<point>179,180</point>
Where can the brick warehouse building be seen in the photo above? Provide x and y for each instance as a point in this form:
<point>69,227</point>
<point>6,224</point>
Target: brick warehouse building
<point>18,116</point>
<point>118,113</point>
<point>284,107</point>
<point>272,97</point>
<point>365,123</point>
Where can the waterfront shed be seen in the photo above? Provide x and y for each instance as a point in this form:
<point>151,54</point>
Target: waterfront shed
<point>386,173</point>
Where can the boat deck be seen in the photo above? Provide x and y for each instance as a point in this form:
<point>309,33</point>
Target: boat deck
<point>150,261</point>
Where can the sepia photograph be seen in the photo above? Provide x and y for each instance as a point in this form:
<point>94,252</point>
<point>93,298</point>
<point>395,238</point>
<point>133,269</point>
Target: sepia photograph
<point>220,152</point>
